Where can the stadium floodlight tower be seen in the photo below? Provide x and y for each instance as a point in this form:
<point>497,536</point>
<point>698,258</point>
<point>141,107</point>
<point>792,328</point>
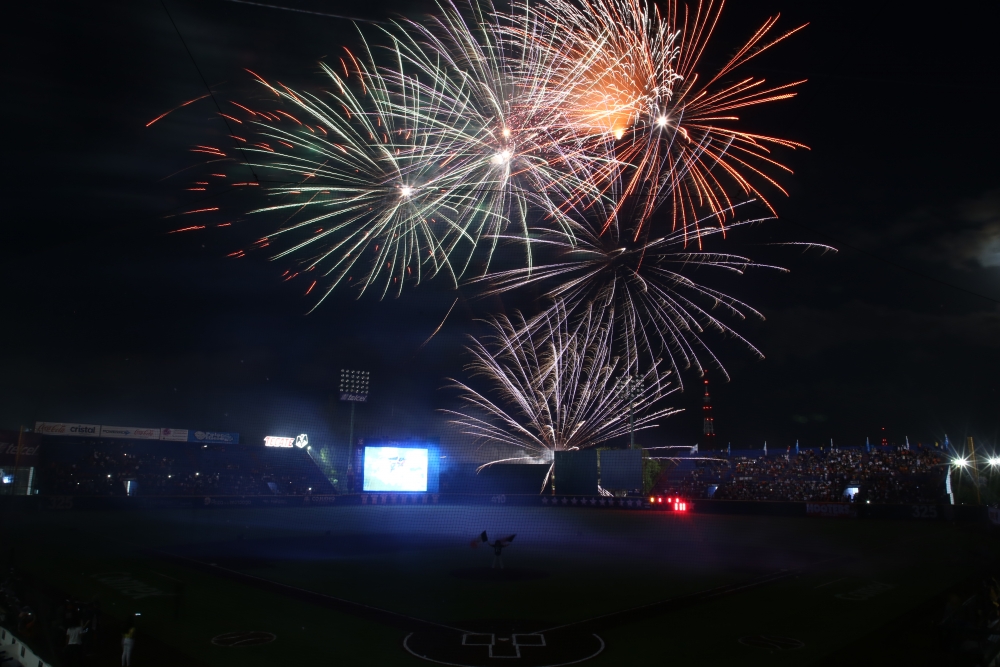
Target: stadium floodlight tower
<point>633,386</point>
<point>353,389</point>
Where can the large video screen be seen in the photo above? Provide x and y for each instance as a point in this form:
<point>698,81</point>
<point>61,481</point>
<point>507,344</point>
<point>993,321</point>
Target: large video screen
<point>395,469</point>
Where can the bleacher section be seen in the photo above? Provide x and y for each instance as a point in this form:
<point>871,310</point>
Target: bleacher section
<point>876,475</point>
<point>177,469</point>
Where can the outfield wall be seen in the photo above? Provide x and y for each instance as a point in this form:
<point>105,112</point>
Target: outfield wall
<point>914,511</point>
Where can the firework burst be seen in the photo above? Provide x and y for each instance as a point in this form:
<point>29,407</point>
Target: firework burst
<point>357,185</point>
<point>661,311</point>
<point>626,76</point>
<point>556,386</point>
<point>418,155</point>
<point>473,125</point>
<point>497,152</point>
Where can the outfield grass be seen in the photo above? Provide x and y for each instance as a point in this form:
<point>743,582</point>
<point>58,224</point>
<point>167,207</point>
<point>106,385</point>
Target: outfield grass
<point>566,566</point>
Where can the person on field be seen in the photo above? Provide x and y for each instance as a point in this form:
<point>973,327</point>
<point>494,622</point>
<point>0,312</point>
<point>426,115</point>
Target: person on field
<point>128,642</point>
<point>498,547</point>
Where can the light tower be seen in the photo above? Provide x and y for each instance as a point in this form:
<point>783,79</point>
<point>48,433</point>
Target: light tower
<point>707,421</point>
<point>353,389</point>
<point>634,387</point>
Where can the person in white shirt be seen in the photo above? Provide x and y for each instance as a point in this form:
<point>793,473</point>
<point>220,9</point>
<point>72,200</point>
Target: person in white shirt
<point>74,644</point>
<point>128,641</point>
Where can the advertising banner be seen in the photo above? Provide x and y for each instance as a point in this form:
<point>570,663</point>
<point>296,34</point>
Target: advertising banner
<point>174,434</point>
<point>838,510</point>
<point>353,398</point>
<point>30,448</point>
<point>136,433</point>
<point>208,437</point>
<point>278,441</point>
<point>60,428</point>
<point>130,432</point>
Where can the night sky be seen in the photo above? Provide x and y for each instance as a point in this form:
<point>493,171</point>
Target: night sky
<point>107,319</point>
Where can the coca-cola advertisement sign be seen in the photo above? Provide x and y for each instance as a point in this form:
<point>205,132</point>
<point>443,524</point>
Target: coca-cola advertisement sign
<point>63,428</point>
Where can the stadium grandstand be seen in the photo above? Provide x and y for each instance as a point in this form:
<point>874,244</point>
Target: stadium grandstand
<point>177,469</point>
<point>93,465</point>
<point>59,459</point>
<point>892,475</point>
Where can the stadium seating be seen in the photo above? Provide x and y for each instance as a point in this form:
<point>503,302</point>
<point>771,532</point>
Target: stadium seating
<point>882,475</point>
<point>172,469</point>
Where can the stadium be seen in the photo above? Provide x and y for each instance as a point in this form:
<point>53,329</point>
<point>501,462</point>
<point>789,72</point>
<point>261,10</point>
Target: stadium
<point>500,333</point>
<point>219,551</point>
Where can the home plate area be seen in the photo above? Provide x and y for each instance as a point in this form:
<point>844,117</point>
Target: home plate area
<point>491,643</point>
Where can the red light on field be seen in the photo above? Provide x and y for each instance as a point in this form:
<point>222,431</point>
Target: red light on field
<point>676,506</point>
<point>659,500</point>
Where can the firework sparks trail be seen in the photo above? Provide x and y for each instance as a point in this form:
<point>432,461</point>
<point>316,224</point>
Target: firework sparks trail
<point>371,204</point>
<point>474,124</point>
<point>582,131</point>
<point>661,312</point>
<point>557,387</point>
<point>626,76</point>
<point>179,106</point>
<point>561,126</point>
<point>504,159</point>
<point>404,171</point>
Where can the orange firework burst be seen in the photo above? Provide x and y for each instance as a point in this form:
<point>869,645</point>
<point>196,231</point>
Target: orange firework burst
<point>626,77</point>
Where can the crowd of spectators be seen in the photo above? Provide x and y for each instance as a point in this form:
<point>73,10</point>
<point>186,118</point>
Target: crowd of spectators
<point>14,613</point>
<point>126,468</point>
<point>971,622</point>
<point>62,630</point>
<point>881,475</point>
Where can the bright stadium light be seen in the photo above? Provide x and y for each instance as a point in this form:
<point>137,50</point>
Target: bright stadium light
<point>994,461</point>
<point>960,462</point>
<point>353,389</point>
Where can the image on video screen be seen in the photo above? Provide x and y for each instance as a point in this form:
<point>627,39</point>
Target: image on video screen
<point>395,469</point>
